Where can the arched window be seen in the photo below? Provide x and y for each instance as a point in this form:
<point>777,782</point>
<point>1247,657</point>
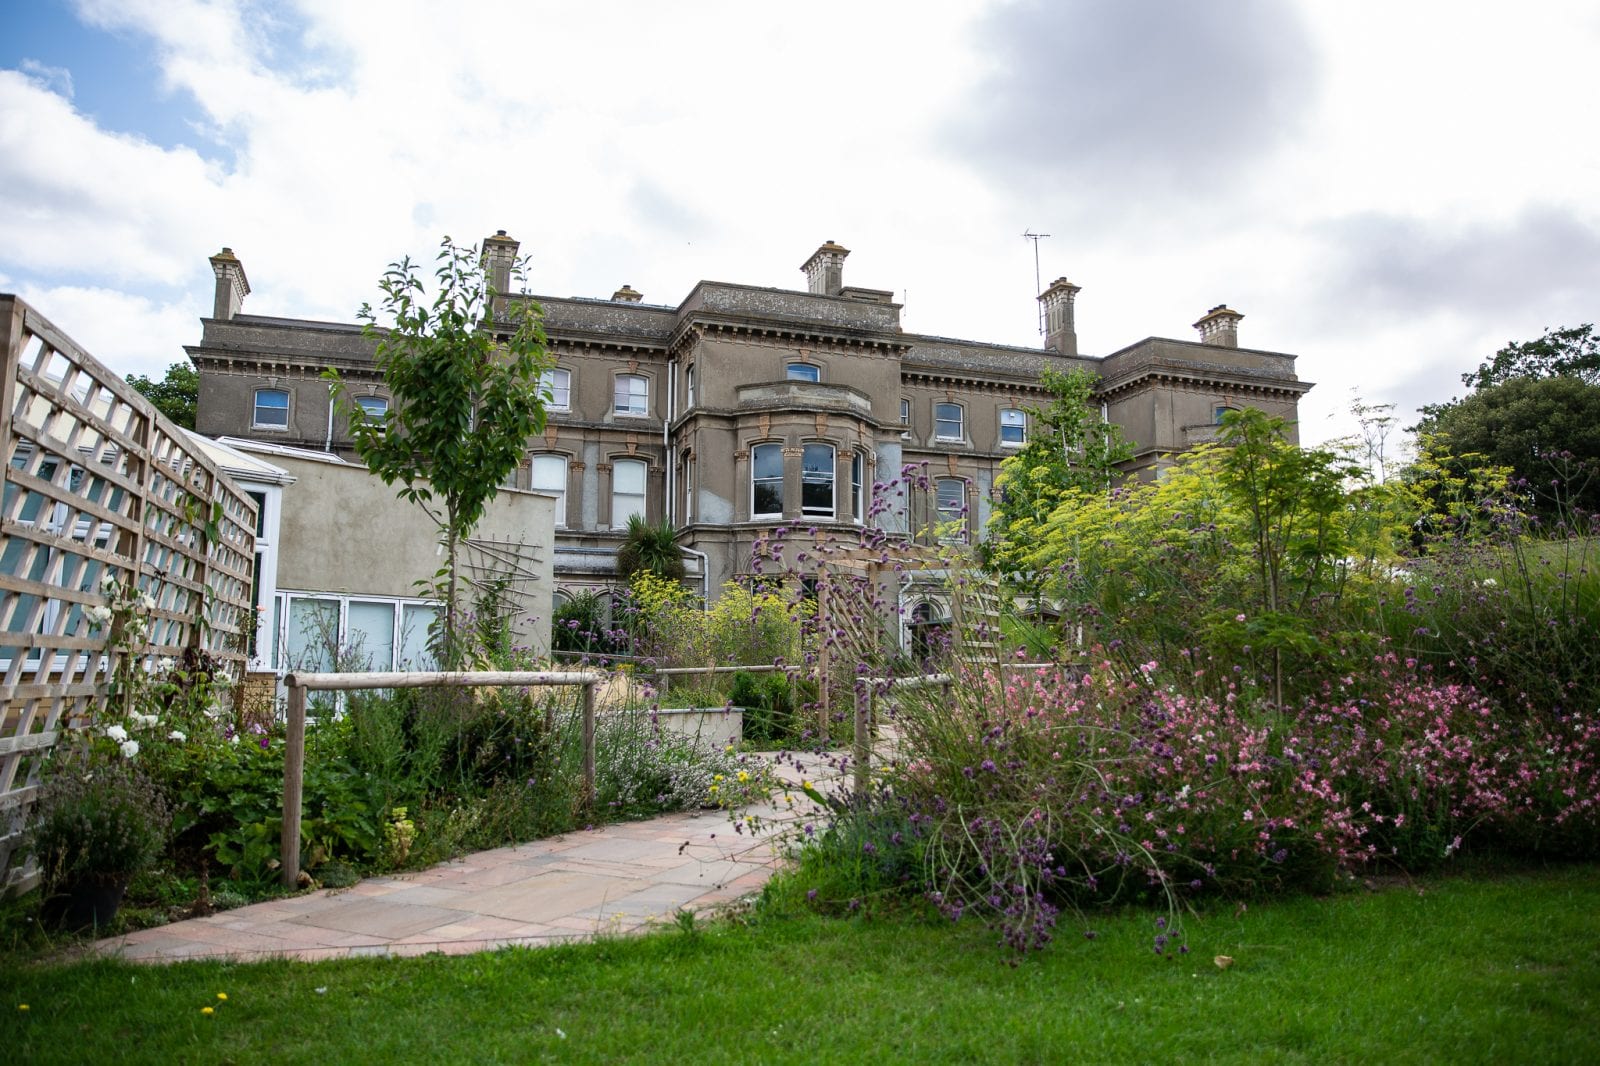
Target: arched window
<point>766,481</point>
<point>272,409</point>
<point>556,386</point>
<point>816,480</point>
<point>550,478</point>
<point>632,395</point>
<point>627,491</point>
<point>1221,410</point>
<point>803,372</point>
<point>1013,428</point>
<point>949,421</point>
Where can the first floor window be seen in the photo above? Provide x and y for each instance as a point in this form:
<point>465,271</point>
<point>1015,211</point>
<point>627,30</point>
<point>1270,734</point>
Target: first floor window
<point>858,486</point>
<point>272,409</point>
<point>951,494</point>
<point>550,478</point>
<point>905,412</point>
<point>1013,427</point>
<point>557,386</point>
<point>373,408</point>
<point>816,480</point>
<point>632,395</point>
<point>688,387</point>
<point>803,372</point>
<point>947,419</point>
<point>627,491</point>
<point>766,481</point>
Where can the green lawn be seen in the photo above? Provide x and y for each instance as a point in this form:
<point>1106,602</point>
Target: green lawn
<point>1490,969</point>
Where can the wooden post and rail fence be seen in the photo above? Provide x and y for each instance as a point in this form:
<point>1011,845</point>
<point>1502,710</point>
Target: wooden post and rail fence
<point>298,684</point>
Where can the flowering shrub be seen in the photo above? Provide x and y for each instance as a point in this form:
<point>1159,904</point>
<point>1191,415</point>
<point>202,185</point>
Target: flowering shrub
<point>100,822</point>
<point>1028,792</point>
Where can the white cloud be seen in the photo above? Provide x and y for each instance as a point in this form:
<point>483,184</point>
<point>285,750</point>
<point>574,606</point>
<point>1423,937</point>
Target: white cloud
<point>128,333</point>
<point>659,144</point>
<point>56,79</point>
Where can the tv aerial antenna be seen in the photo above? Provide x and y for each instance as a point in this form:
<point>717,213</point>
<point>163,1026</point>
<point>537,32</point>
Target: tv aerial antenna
<point>1038,282</point>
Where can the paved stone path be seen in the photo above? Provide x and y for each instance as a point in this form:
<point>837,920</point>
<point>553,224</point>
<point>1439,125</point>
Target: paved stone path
<point>613,879</point>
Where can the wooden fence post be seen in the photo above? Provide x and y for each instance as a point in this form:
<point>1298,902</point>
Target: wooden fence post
<point>588,740</point>
<point>863,739</point>
<point>294,759</point>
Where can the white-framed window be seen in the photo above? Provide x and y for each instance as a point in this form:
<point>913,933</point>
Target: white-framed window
<point>627,490</point>
<point>549,476</point>
<point>556,386</point>
<point>766,481</point>
<point>373,408</point>
<point>354,633</point>
<point>803,372</point>
<point>858,485</point>
<point>905,412</point>
<point>816,480</point>
<point>949,421</point>
<point>1013,427</point>
<point>688,487</point>
<point>688,387</point>
<point>271,410</point>
<point>950,494</point>
<point>632,395</point>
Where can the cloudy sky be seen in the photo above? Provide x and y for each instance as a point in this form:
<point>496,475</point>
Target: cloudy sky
<point>1389,189</point>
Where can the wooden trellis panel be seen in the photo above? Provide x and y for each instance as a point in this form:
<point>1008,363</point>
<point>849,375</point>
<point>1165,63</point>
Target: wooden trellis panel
<point>98,485</point>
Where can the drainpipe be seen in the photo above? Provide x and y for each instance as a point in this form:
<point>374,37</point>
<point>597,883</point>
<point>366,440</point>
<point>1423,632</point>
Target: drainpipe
<point>328,445</point>
<point>666,445</point>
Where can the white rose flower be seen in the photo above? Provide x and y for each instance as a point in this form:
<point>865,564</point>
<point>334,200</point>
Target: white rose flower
<point>116,732</point>
<point>110,583</point>
<point>165,663</point>
<point>98,615</point>
<point>178,735</point>
<point>147,720</point>
<point>130,748</point>
<point>146,602</point>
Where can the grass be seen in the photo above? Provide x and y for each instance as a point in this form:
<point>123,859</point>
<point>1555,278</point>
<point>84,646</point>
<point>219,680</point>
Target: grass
<point>1488,969</point>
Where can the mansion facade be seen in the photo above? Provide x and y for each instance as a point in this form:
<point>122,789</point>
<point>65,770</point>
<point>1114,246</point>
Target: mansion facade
<point>741,408</point>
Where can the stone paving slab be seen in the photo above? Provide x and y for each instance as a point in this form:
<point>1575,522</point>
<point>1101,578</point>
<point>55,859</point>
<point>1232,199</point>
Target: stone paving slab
<point>611,880</point>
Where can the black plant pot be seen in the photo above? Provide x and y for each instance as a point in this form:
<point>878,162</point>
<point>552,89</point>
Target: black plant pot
<point>83,905</point>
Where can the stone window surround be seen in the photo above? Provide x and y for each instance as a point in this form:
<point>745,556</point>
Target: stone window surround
<point>255,410</point>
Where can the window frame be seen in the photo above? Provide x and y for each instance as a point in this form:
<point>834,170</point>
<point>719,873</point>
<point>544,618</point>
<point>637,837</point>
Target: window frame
<point>806,372</point>
<point>617,394</point>
<point>255,412</point>
<point>370,415</point>
<point>561,493</point>
<point>813,476</point>
<point>689,389</point>
<point>858,484</point>
<point>959,512</point>
<point>905,412</point>
<point>560,398</point>
<point>939,421</point>
<point>621,521</point>
<point>769,480</point>
<point>1020,424</point>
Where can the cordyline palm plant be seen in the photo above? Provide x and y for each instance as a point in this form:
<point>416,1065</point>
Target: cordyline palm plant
<point>650,547</point>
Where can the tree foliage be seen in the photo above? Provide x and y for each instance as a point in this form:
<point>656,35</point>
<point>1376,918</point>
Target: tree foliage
<point>1535,410</point>
<point>1572,353</point>
<point>1070,450</point>
<point>467,396</point>
<point>175,395</point>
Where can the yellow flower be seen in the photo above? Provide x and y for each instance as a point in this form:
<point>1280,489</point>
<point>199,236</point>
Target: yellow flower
<point>207,1010</point>
<point>222,996</point>
<point>744,775</point>
<point>22,1006</point>
<point>716,777</point>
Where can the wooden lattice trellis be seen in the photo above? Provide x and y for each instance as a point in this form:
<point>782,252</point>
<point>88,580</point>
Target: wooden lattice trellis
<point>97,485</point>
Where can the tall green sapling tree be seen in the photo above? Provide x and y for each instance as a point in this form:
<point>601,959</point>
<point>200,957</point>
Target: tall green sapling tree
<point>464,369</point>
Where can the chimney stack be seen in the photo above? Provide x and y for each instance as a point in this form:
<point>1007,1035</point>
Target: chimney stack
<point>627,295</point>
<point>232,287</point>
<point>825,269</point>
<point>1220,326</point>
<point>499,258</point>
<point>1060,328</point>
